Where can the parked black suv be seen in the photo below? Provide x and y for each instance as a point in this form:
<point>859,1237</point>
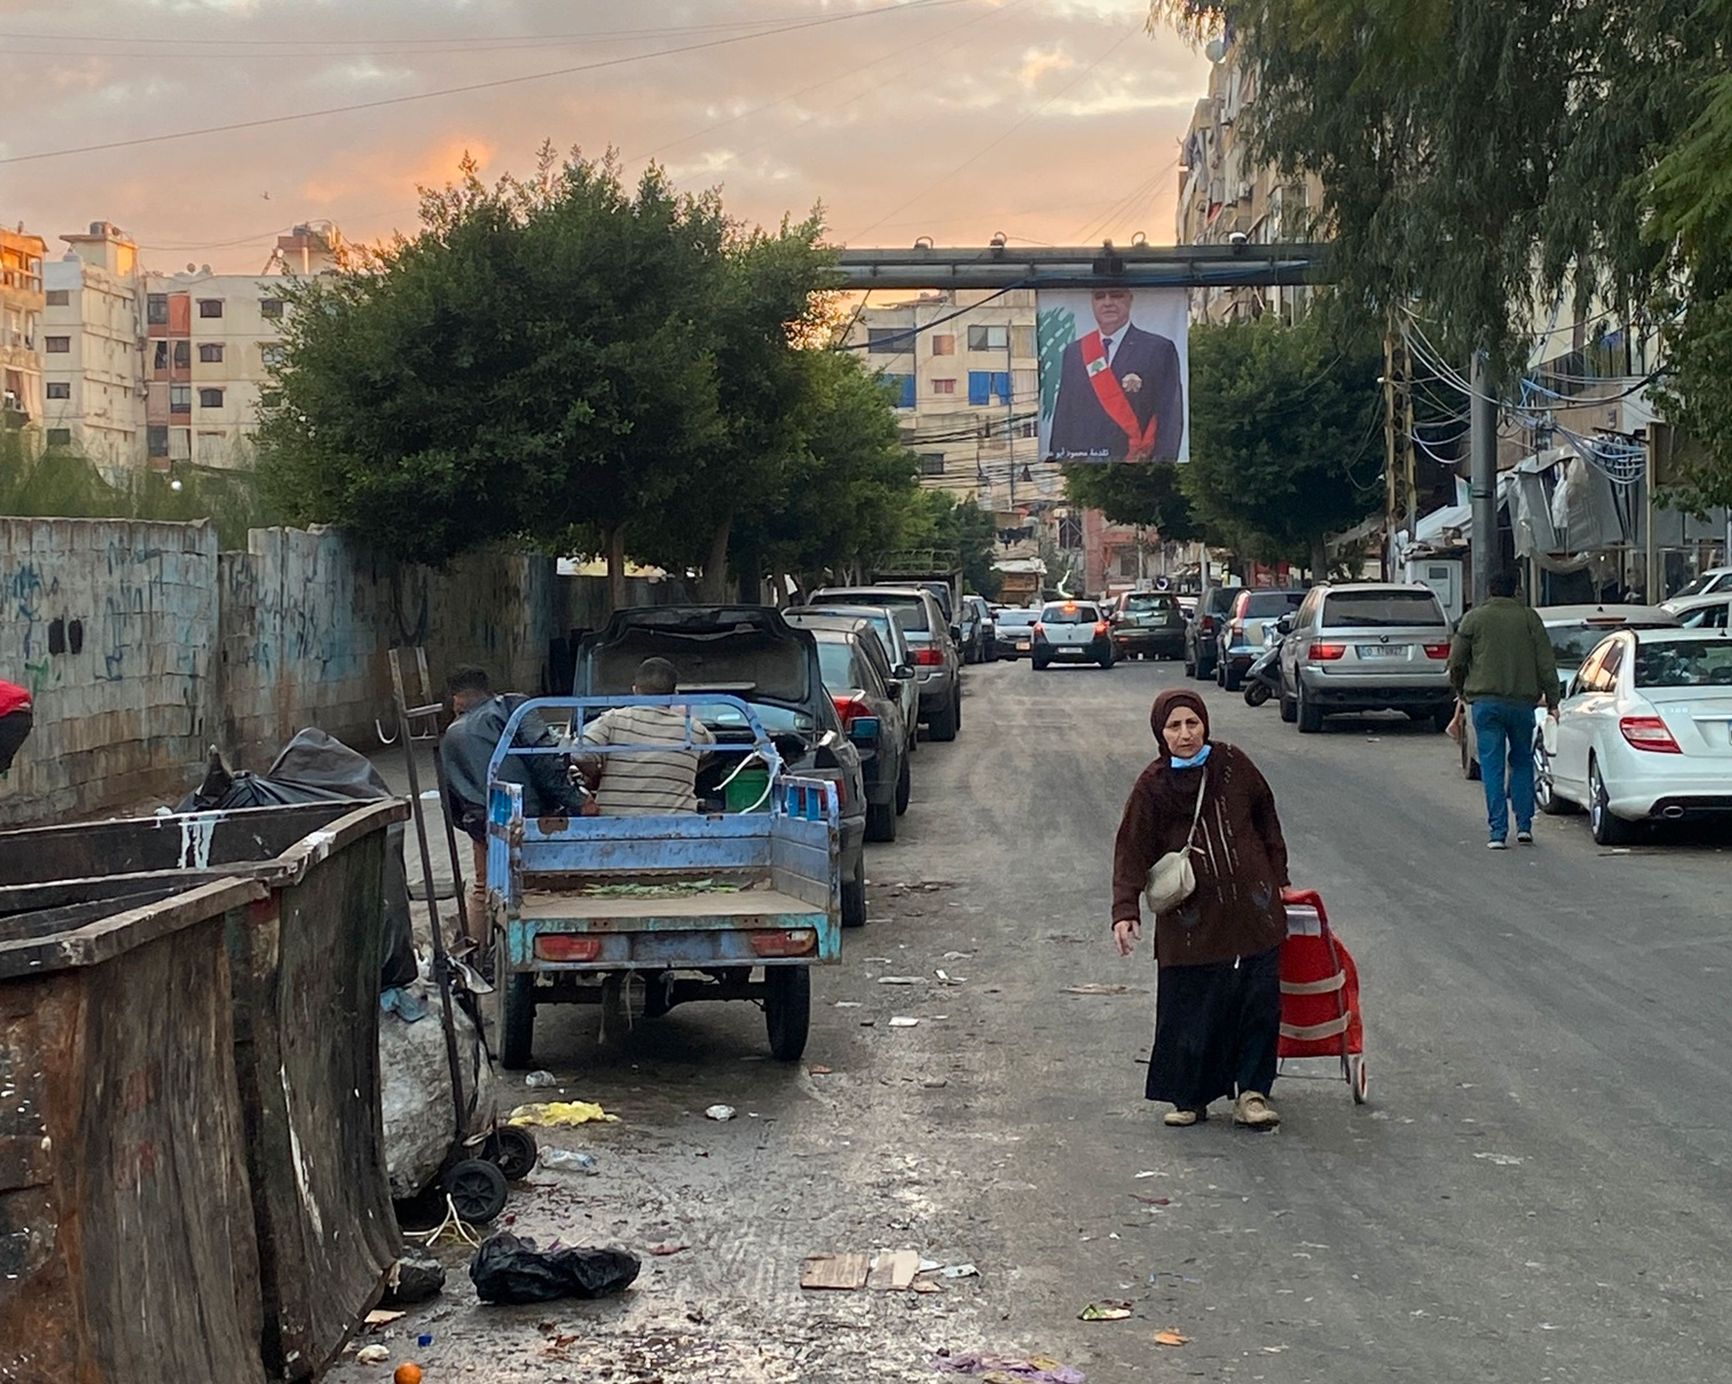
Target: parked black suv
<point>752,653</point>
<point>1202,635</point>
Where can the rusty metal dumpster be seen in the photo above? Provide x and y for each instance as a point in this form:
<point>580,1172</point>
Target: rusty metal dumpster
<point>305,965</point>
<point>127,1242</point>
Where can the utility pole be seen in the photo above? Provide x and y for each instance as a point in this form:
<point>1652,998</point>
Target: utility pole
<point>1391,505</point>
<point>1482,484</point>
<point>1010,411</point>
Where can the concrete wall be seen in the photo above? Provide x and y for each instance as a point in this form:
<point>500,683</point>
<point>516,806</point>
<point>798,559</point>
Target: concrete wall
<point>144,646</point>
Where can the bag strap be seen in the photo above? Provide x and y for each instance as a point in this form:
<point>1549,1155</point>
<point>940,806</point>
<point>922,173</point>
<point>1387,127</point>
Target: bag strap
<point>1197,816</point>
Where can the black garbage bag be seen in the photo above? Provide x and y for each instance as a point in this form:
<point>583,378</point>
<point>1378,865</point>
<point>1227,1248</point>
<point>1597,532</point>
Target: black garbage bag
<point>316,767</point>
<point>509,1269</point>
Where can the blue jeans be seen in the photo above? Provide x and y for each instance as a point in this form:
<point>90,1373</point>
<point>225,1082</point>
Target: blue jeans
<point>1504,731</point>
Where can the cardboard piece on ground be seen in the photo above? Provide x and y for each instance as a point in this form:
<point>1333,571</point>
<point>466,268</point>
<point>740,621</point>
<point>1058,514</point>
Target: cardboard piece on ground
<point>893,1271</point>
<point>384,1317</point>
<point>843,1272</point>
<point>925,1285</point>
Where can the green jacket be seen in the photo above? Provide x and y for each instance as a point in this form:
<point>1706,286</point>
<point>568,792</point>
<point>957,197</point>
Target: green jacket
<point>1501,650</point>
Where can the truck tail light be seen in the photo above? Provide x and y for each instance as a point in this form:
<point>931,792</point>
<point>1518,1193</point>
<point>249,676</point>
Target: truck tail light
<point>850,707</point>
<point>1326,653</point>
<point>1437,651</point>
<point>775,942</point>
<point>562,946</point>
<point>928,657</point>
<point>1648,733</point>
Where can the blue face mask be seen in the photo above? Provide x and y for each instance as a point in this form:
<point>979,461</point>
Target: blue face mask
<point>1200,757</point>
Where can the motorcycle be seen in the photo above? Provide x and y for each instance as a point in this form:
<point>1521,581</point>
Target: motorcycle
<point>1263,678</point>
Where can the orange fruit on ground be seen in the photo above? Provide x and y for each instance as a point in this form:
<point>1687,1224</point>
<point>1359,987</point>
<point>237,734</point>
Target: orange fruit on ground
<point>407,1373</point>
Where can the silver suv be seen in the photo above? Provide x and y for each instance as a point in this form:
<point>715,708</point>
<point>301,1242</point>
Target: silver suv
<point>1366,646</point>
<point>934,644</point>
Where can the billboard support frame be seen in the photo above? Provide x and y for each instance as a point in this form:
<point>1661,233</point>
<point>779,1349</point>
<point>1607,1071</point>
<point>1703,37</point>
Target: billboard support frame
<point>1133,266</point>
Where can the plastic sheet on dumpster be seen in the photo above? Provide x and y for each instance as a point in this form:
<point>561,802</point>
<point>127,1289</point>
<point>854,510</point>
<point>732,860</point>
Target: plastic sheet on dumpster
<point>510,1269</point>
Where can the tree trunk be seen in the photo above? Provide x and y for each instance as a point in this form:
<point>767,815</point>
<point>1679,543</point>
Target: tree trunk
<point>714,586</point>
<point>1319,558</point>
<point>616,599</point>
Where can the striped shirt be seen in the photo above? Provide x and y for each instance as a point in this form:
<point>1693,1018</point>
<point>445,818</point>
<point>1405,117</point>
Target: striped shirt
<point>646,783</point>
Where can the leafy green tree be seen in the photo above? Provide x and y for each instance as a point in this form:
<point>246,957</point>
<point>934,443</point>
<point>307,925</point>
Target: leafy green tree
<point>1146,494</point>
<point>1282,426</point>
<point>963,528</point>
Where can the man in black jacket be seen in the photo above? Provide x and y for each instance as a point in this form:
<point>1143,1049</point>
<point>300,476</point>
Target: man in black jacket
<point>1120,397</point>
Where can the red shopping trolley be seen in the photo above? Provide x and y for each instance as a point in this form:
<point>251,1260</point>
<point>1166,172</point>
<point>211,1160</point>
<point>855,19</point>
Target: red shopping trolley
<point>1320,993</point>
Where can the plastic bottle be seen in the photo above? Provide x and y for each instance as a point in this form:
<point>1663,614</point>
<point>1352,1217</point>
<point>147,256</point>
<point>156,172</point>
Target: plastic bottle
<point>538,1079</point>
<point>569,1161</point>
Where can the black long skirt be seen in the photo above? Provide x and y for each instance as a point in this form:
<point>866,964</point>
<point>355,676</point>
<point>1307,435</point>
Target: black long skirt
<point>1216,1027</point>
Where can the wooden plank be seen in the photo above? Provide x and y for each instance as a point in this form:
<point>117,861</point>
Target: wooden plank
<point>839,1272</point>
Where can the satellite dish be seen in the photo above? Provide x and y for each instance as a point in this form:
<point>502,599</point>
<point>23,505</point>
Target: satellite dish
<point>1215,49</point>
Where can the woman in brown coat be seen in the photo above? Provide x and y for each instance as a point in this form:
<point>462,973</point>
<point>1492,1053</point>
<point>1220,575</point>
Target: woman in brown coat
<point>1218,954</point>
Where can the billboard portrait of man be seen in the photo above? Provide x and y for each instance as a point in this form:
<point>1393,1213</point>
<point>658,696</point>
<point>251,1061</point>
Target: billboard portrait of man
<point>1121,392</point>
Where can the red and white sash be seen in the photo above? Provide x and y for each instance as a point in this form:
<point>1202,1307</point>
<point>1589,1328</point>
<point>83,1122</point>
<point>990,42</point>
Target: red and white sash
<point>1111,395</point>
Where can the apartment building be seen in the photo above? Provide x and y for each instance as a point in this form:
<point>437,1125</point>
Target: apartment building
<point>21,304</point>
<point>93,391</point>
<point>1224,192</point>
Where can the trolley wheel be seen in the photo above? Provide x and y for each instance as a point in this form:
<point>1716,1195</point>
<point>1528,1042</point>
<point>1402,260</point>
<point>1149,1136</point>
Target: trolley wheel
<point>1360,1080</point>
<point>477,1189</point>
<point>512,1150</point>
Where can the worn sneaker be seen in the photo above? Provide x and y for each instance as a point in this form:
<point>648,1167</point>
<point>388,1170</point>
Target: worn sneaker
<point>1497,843</point>
<point>1526,838</point>
<point>1253,1110</point>
<point>1181,1118</point>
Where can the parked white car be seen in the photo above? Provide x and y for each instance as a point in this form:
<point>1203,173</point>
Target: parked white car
<point>1645,733</point>
<point>1715,581</point>
<point>1702,612</point>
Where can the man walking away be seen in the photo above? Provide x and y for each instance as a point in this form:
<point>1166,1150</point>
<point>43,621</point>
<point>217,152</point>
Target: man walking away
<point>15,721</point>
<point>1501,663</point>
<point>646,782</point>
<point>467,747</point>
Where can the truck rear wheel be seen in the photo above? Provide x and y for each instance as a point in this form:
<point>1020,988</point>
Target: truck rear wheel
<point>516,1021</point>
<point>787,1010</point>
<point>854,896</point>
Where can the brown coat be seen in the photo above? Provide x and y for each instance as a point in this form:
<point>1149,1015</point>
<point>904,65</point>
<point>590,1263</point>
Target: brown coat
<point>1240,861</point>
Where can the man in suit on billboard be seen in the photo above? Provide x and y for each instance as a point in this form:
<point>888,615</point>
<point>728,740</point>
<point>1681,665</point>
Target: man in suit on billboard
<point>1119,394</point>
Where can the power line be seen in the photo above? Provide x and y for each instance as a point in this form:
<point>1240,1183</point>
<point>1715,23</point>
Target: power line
<point>912,332</point>
<point>1000,139</point>
<point>491,85</point>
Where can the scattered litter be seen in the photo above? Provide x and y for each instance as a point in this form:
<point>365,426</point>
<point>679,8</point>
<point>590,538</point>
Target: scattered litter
<point>945,978</point>
<point>540,1079</point>
<point>1502,1160</point>
<point>1173,1338</point>
<point>373,1355</point>
<point>1153,1201</point>
<point>1107,1310</point>
<point>868,1023</point>
<point>957,956</point>
<point>848,1004</point>
<point>842,1272</point>
<point>507,1269</point>
<point>379,1317</point>
<point>819,1071</point>
<point>900,980</point>
<point>406,1373</point>
<point>903,1021</point>
<point>959,1271</point>
<point>569,1161</point>
<point>935,1083</point>
<point>893,1271</point>
<point>1273,1350</point>
<point>1038,1369</point>
<point>1150,1173</point>
<point>878,961</point>
<point>414,1278</point>
<point>1095,989</point>
<point>561,1114</point>
<point>663,1250</point>
<point>424,1340</point>
<point>925,1285</point>
<point>719,1112</point>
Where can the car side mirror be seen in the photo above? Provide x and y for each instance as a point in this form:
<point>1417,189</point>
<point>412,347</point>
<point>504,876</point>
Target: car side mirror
<point>865,730</point>
<point>1285,623</point>
<point>902,672</point>
<point>956,632</point>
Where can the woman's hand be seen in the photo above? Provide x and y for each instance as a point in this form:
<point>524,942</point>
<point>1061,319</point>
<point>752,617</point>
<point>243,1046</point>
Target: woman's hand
<point>1127,932</point>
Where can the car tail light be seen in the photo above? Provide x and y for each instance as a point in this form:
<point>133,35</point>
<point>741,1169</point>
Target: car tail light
<point>928,657</point>
<point>1648,733</point>
<point>850,707</point>
<point>1437,651</point>
<point>775,942</point>
<point>1102,627</point>
<point>1326,653</point>
<point>1208,624</point>
<point>559,946</point>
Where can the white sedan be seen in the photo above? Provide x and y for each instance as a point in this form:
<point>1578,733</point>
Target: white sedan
<point>1645,733</point>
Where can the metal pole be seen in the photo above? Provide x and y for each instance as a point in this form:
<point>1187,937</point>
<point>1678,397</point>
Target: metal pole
<point>1010,411</point>
<point>1482,484</point>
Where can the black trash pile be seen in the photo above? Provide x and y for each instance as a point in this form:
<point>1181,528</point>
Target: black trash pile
<point>512,1269</point>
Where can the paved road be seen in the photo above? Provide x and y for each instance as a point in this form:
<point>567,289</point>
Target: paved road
<point>1539,1190</point>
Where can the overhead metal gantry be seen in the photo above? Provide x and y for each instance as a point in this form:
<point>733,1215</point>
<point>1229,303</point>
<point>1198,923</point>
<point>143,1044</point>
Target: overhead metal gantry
<point>999,265</point>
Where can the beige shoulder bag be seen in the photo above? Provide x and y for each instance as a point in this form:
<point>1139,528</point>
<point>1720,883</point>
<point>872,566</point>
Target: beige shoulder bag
<point>1172,879</point>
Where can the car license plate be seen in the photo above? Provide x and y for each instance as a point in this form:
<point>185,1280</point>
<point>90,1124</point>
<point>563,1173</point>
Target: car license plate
<point>1023,646</point>
<point>1382,650</point>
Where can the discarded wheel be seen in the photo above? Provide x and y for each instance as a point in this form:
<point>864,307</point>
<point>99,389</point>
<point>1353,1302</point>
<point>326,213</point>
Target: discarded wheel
<point>477,1189</point>
<point>512,1150</point>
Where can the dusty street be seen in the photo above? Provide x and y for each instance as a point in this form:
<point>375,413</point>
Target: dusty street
<point>1538,1191</point>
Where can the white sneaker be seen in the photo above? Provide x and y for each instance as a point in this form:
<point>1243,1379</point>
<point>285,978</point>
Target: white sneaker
<point>1496,845</point>
<point>1253,1110</point>
<point>1525,838</point>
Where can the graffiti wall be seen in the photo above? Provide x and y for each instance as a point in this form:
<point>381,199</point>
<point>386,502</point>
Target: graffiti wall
<point>144,646</point>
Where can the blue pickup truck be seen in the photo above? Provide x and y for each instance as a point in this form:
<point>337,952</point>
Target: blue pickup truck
<point>736,901</point>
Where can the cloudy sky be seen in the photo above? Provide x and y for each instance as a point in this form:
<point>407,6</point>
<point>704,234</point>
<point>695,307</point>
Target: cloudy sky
<point>1055,121</point>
